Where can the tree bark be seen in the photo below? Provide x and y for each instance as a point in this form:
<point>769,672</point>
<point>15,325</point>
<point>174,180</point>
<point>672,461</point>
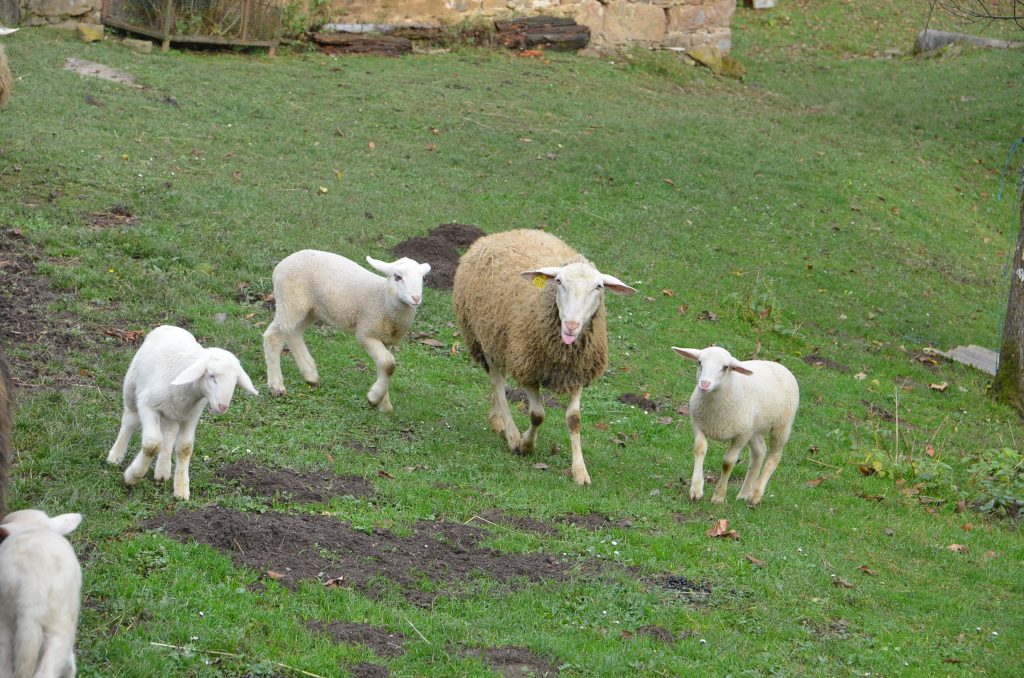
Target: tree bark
<point>1008,386</point>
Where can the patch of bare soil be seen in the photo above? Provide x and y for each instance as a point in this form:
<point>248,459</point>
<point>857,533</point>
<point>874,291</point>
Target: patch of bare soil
<point>523,523</point>
<point>441,249</point>
<point>381,641</point>
<point>642,401</point>
<point>115,216</point>
<point>24,316</point>
<point>593,521</point>
<point>822,361</point>
<point>659,633</point>
<point>831,628</point>
<point>422,566</point>
<point>368,670</point>
<point>514,662</point>
<point>692,591</point>
<point>518,395</point>
<point>300,487</point>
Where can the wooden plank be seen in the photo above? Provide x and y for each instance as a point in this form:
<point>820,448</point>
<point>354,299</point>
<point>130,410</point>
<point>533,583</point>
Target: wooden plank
<point>361,43</point>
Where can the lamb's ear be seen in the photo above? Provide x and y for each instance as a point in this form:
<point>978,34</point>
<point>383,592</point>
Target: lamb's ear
<point>539,276</point>
<point>381,266</point>
<point>613,284</point>
<point>692,354</point>
<point>424,269</point>
<point>245,382</point>
<point>740,369</point>
<point>192,373</point>
<point>65,523</point>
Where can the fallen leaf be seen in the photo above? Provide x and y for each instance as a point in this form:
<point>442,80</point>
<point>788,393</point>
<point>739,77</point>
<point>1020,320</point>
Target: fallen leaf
<point>276,576</point>
<point>960,638</point>
<point>669,182</point>
<point>815,482</point>
<point>601,426</point>
<point>958,548</point>
<point>871,497</point>
<point>967,527</point>
<point>531,53</point>
<point>707,315</point>
<point>867,570</point>
<point>860,376</point>
<point>541,466</point>
<point>435,131</point>
<point>237,174</point>
<point>334,582</point>
<point>321,190</point>
<point>455,347</point>
<point>929,449</point>
<point>127,336</point>
<point>668,293</point>
<point>433,343</point>
<point>665,420</point>
<point>961,506</point>
<point>384,474</point>
<point>989,555</point>
<point>939,387</point>
<point>866,470</point>
<point>756,561</point>
<point>683,308</point>
<point>839,582</point>
<point>371,145</point>
<point>683,409</point>
<point>721,530</point>
<point>431,147</point>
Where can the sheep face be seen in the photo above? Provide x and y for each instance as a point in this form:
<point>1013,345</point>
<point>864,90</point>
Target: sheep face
<point>31,519</point>
<point>579,293</point>
<point>405,278</point>
<point>713,366</point>
<point>215,374</point>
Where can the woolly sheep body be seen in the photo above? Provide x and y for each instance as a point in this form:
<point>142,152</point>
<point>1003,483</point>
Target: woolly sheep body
<point>739,402</point>
<point>515,329</point>
<point>6,79</point>
<point>311,285</point>
<point>40,595</point>
<point>169,382</point>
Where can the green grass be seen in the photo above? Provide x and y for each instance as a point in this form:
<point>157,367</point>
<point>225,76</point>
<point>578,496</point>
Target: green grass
<point>850,200</point>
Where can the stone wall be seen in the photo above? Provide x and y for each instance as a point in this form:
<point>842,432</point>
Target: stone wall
<point>613,23</point>
<point>61,13</point>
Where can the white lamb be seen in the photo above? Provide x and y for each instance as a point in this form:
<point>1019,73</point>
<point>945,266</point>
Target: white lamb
<point>739,402</point>
<point>40,595</point>
<point>169,382</point>
<point>311,285</point>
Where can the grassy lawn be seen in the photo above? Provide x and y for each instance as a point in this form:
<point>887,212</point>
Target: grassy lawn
<point>836,210</point>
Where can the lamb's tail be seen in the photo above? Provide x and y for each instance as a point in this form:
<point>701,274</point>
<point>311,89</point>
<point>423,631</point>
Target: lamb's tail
<point>28,646</point>
<point>6,79</point>
<point>5,432</point>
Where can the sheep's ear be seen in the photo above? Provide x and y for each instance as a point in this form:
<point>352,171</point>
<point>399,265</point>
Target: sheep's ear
<point>192,373</point>
<point>539,276</point>
<point>690,353</point>
<point>65,523</point>
<point>424,269</point>
<point>613,284</point>
<point>381,266</point>
<point>245,382</point>
<point>736,367</point>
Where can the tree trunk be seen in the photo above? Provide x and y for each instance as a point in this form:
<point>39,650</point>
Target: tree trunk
<point>1008,386</point>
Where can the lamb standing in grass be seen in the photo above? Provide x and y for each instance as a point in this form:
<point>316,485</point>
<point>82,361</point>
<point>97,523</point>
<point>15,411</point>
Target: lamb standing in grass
<point>311,285</point>
<point>532,308</point>
<point>169,382</point>
<point>40,595</point>
<point>739,402</point>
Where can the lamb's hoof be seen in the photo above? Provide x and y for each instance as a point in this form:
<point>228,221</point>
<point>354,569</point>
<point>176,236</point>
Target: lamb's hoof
<point>581,478</point>
<point>755,500</point>
<point>161,475</point>
<point>696,496</point>
<point>278,392</point>
<point>382,406</point>
<point>717,501</point>
<point>130,481</point>
<point>181,497</point>
<point>314,384</point>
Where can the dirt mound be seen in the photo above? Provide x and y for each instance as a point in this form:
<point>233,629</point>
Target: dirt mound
<point>421,566</point>
<point>368,670</point>
<point>300,487</point>
<point>593,521</point>
<point>514,662</point>
<point>642,401</point>
<point>381,641</point>
<point>441,249</point>
<point>523,523</point>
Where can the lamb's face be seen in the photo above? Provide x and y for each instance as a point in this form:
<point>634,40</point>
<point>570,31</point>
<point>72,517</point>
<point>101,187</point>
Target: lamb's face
<point>32,519</point>
<point>714,365</point>
<point>405,279</point>
<point>223,372</point>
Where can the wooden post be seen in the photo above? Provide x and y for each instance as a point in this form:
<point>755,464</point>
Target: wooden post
<point>168,25</point>
<point>1008,385</point>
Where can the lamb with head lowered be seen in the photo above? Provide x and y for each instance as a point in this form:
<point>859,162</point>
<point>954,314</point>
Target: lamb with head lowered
<point>40,595</point>
<point>311,285</point>
<point>169,383</point>
<point>739,402</point>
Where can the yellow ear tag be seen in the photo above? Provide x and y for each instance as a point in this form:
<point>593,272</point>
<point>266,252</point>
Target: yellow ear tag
<point>540,281</point>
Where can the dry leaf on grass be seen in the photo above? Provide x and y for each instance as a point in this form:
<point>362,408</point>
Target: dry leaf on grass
<point>867,570</point>
<point>721,530</point>
<point>756,561</point>
<point>839,582</point>
<point>276,576</point>
<point>958,548</point>
<point>939,387</point>
<point>815,482</point>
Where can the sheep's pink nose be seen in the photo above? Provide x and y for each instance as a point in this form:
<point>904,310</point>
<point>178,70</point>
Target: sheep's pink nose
<point>416,298</point>
<point>221,409</point>
<point>705,385</point>
<point>572,326</point>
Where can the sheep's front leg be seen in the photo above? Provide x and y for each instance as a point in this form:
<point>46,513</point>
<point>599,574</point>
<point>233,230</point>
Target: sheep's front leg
<point>378,394</point>
<point>574,422</point>
<point>162,470</point>
<point>529,440</point>
<point>700,449</point>
<point>183,446</point>
<point>757,452</point>
<point>771,463</point>
<point>129,424</point>
<point>500,415</point>
<point>151,439</point>
<point>273,344</point>
<point>728,464</point>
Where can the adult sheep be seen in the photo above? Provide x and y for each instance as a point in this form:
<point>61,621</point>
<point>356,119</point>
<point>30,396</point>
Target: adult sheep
<point>514,323</point>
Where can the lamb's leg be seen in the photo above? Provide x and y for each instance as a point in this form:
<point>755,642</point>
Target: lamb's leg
<point>700,448</point>
<point>757,452</point>
<point>273,344</point>
<point>57,648</point>
<point>183,453</point>
<point>6,646</point>
<point>574,422</point>
<point>529,439</point>
<point>728,464</point>
<point>378,395</point>
<point>129,424</point>
<point>779,438</point>
<point>162,470</point>
<point>151,439</point>
<point>297,345</point>
<point>500,415</point>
